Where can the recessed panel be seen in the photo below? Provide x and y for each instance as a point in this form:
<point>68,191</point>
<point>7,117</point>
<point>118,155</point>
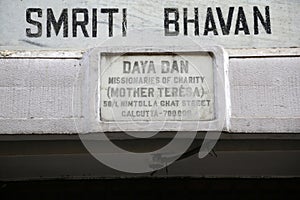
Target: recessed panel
<point>156,87</point>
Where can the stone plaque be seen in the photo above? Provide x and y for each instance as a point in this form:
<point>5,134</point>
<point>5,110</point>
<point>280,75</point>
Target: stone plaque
<point>157,87</point>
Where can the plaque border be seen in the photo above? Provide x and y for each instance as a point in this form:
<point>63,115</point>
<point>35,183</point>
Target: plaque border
<point>91,96</point>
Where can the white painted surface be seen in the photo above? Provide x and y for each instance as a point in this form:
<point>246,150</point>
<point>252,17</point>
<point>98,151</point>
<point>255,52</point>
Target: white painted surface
<point>145,23</point>
<point>38,88</point>
<point>39,95</point>
<point>46,94</point>
<point>265,94</point>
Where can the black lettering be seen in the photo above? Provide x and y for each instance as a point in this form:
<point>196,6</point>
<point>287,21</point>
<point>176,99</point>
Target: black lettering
<point>210,20</point>
<point>124,22</point>
<point>29,32</point>
<point>186,21</point>
<point>83,23</point>
<point>110,12</point>
<point>167,22</point>
<point>63,20</point>
<point>266,23</point>
<point>241,18</point>
<point>225,27</point>
<point>94,22</point>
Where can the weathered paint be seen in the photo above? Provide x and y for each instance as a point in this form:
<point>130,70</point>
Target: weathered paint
<point>43,79</point>
<point>265,94</point>
<point>40,101</point>
<point>42,24</point>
